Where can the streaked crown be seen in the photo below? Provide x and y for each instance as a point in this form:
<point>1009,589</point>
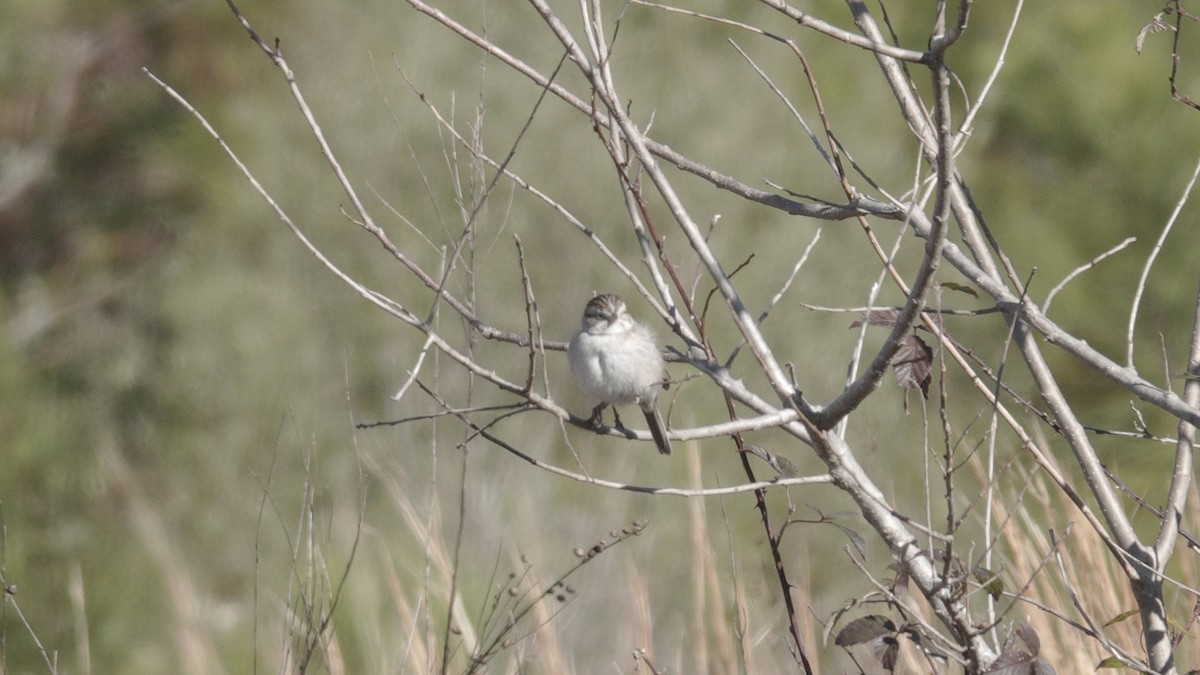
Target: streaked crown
<point>602,309</point>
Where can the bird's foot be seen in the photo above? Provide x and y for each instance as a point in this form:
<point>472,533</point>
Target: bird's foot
<point>597,419</point>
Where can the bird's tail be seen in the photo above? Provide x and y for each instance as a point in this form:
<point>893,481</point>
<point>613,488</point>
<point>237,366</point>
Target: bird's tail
<point>658,430</point>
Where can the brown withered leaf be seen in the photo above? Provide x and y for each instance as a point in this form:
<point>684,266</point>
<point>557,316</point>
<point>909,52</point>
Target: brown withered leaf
<point>1013,662</point>
<point>885,317</point>
<point>1030,637</point>
<point>864,629</point>
<point>888,652</point>
<point>961,288</point>
<point>913,364</point>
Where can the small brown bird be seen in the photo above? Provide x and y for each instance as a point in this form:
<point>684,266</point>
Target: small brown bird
<point>615,360</point>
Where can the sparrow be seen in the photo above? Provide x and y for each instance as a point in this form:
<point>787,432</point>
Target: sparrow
<point>615,360</point>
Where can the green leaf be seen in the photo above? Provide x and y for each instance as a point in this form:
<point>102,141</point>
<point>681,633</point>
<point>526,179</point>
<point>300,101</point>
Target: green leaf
<point>1120,617</point>
<point>990,581</point>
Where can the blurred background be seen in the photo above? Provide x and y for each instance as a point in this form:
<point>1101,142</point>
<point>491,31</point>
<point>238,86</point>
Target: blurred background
<point>182,484</point>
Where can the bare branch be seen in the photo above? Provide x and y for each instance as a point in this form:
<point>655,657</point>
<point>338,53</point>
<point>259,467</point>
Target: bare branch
<point>1141,285</point>
<point>964,129</point>
<point>1184,469</point>
<point>1080,270</point>
<point>868,42</point>
<point>674,492</point>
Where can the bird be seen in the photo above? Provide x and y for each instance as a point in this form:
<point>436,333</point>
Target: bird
<point>615,360</point>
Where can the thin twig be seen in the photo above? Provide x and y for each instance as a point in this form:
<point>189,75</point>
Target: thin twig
<point>1093,629</point>
<point>867,42</point>
<point>1080,270</point>
<point>533,321</point>
<point>788,103</point>
<point>762,317</point>
<point>1141,285</point>
<point>965,128</point>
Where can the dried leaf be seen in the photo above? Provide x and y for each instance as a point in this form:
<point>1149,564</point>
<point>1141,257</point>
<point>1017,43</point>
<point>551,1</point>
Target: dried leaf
<point>860,544</point>
<point>785,467</point>
<point>923,643</point>
<point>1029,636</point>
<point>956,568</point>
<point>864,629</point>
<point>961,288</point>
<point>878,317</point>
<point>1156,25</point>
<point>1013,662</point>
<point>1041,667</point>
<point>888,651</point>
<point>913,364</point>
<point>901,580</point>
<point>837,616</point>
